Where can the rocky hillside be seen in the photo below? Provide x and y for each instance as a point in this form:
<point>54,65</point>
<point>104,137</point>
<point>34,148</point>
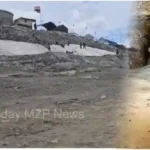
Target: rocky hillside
<point>55,62</point>
<point>51,62</point>
<point>46,38</point>
<point>111,44</point>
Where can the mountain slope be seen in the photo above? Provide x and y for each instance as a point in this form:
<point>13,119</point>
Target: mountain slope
<point>46,38</point>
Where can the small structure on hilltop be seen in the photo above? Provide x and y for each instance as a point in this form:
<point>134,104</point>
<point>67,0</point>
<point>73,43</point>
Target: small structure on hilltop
<point>61,28</point>
<point>24,22</point>
<point>6,18</point>
<point>49,26</point>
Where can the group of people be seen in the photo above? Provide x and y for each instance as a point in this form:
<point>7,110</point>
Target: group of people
<point>62,45</point>
<point>83,45</point>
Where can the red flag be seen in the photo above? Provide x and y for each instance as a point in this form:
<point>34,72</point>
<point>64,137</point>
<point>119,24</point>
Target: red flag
<point>37,9</point>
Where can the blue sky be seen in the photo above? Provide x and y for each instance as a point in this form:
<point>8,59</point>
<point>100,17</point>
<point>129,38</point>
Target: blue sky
<point>103,19</point>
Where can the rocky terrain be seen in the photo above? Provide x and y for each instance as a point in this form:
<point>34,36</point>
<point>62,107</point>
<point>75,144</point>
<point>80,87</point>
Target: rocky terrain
<point>51,61</point>
<point>80,100</point>
<point>46,38</point>
<point>56,62</point>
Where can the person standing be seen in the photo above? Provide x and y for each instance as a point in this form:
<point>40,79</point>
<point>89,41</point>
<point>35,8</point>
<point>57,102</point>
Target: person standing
<point>117,51</point>
<point>84,45</point>
<point>80,45</point>
<point>35,26</point>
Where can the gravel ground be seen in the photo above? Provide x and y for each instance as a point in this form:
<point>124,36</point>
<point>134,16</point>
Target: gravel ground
<point>86,107</point>
<point>93,97</point>
<point>48,108</point>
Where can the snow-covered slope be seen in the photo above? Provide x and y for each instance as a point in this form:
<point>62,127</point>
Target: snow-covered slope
<point>20,48</point>
<point>89,51</point>
<point>8,47</point>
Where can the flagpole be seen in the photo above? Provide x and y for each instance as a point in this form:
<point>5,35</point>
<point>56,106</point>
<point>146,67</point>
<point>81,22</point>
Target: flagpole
<point>41,18</point>
<point>38,10</point>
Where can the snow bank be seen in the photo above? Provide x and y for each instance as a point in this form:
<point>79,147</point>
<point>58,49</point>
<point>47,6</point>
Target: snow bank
<point>89,51</point>
<point>8,47</point>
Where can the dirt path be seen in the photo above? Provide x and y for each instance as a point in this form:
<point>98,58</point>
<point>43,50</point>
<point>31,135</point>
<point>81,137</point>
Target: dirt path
<point>135,130</point>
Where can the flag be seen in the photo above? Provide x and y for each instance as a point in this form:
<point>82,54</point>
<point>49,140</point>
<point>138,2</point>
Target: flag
<point>37,9</point>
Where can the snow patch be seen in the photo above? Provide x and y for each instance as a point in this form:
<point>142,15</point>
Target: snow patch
<point>89,51</point>
<point>8,47</point>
